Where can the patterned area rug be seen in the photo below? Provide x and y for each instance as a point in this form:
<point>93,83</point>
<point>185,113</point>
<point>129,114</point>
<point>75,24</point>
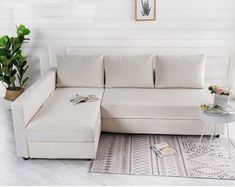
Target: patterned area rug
<point>132,155</point>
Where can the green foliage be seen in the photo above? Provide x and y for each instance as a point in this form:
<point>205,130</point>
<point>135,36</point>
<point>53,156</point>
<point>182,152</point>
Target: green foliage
<point>12,63</point>
<point>22,31</point>
<point>4,41</point>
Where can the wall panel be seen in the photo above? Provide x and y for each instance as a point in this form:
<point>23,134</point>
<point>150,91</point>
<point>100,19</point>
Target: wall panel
<point>108,26</point>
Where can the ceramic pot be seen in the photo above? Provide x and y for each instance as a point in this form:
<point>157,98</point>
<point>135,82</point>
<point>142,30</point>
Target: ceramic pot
<point>11,95</point>
<point>221,100</point>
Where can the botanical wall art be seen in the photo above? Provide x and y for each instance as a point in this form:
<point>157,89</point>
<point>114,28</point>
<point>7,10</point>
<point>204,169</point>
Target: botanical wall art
<point>145,10</point>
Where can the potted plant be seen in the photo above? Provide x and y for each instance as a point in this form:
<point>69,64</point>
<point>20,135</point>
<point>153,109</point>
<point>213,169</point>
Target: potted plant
<point>13,63</point>
<point>221,97</point>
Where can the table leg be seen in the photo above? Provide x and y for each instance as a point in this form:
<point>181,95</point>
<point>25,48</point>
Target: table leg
<point>220,127</point>
<point>203,130</point>
<point>215,127</point>
<point>213,133</point>
<point>228,140</point>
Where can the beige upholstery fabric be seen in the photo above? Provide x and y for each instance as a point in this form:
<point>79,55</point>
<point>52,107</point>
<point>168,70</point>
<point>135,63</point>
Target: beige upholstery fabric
<point>60,121</point>
<point>56,150</point>
<point>159,126</point>
<point>129,71</point>
<point>180,71</point>
<point>60,149</point>
<point>25,107</point>
<point>154,103</point>
<point>35,96</point>
<point>80,71</point>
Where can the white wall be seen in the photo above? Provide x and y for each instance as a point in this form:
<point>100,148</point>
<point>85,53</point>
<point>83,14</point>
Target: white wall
<point>108,26</point>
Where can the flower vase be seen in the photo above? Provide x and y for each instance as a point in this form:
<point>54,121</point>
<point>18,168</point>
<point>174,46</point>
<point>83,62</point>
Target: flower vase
<point>221,100</point>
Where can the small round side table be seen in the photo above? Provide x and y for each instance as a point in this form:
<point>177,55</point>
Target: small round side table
<point>217,120</point>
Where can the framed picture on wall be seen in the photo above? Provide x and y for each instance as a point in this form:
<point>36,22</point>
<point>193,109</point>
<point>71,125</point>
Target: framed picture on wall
<point>145,10</point>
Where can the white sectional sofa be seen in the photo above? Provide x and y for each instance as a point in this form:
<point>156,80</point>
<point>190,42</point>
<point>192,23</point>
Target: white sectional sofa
<point>137,94</point>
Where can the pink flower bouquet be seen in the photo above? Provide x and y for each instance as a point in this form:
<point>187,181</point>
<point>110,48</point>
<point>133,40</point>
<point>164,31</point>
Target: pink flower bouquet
<point>219,90</point>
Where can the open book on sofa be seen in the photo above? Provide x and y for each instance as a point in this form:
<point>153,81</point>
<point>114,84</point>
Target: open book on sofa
<point>76,99</point>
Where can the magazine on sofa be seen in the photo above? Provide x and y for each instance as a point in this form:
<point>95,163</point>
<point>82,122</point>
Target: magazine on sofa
<point>76,99</point>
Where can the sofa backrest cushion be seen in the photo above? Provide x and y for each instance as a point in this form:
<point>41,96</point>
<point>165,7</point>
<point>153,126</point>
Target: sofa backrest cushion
<point>129,71</point>
<point>80,71</point>
<point>180,71</point>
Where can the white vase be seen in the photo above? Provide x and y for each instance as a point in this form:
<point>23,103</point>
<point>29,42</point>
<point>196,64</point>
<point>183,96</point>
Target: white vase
<point>221,100</point>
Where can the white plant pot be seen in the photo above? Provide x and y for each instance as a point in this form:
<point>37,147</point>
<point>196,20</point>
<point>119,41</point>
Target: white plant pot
<point>221,100</point>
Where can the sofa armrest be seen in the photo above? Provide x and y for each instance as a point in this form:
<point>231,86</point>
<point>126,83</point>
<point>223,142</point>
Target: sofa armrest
<point>27,105</point>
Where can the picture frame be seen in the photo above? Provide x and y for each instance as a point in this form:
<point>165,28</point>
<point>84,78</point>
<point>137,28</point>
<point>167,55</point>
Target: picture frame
<point>145,10</point>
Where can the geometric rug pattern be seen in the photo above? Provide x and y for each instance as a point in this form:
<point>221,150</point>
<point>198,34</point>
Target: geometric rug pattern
<point>131,154</point>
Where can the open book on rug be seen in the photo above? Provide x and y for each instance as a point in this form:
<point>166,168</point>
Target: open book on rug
<point>163,149</point>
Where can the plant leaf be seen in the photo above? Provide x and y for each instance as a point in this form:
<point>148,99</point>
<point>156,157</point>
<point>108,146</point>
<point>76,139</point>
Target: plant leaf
<point>3,41</point>
<point>23,71</point>
<point>25,81</point>
<point>5,70</point>
<point>26,32</point>
<point>6,79</point>
<point>13,73</point>
<point>3,58</point>
<point>12,80</point>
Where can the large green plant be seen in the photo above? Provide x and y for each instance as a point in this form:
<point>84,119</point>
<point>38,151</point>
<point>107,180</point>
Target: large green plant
<point>13,63</point>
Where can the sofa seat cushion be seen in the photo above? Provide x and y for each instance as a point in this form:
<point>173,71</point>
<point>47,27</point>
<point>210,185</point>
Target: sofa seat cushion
<point>58,120</point>
<point>153,103</point>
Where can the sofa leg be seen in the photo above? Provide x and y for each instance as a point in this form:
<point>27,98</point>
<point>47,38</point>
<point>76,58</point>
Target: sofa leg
<point>26,158</point>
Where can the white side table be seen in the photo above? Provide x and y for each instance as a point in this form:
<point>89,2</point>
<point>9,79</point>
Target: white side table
<point>218,120</point>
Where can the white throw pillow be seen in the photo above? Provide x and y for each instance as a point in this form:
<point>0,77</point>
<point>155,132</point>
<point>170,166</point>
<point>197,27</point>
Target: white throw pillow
<point>80,71</point>
<point>180,71</point>
<point>129,71</point>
